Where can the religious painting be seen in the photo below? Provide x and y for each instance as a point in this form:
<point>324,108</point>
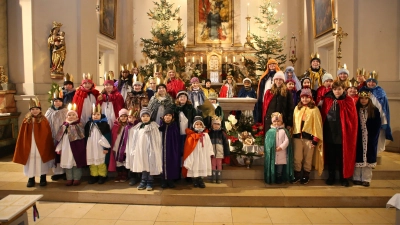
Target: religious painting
<point>213,21</point>
<point>323,15</point>
<point>108,23</point>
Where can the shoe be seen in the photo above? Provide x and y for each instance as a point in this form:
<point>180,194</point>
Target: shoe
<point>189,179</point>
<point>132,181</point>
<point>345,183</point>
<point>31,182</point>
<point>306,177</point>
<point>93,179</point>
<point>58,176</point>
<point>76,182</point>
<point>43,181</point>
<point>365,184</point>
<point>149,186</point>
<point>102,180</point>
<point>171,184</point>
<point>164,183</point>
<point>297,177</point>
<point>218,177</point>
<point>357,182</point>
<point>201,182</point>
<point>195,182</point>
<point>278,179</point>
<point>118,178</point>
<point>213,176</point>
<point>69,182</point>
<point>124,176</point>
<point>142,185</point>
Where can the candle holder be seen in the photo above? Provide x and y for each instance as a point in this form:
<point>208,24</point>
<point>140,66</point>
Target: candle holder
<point>248,37</point>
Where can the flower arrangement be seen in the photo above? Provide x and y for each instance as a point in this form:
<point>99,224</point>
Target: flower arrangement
<point>258,133</point>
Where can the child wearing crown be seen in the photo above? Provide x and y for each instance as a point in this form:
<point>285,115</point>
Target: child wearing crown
<point>85,96</point>
<point>98,139</point>
<point>220,148</point>
<point>278,152</point>
<point>343,76</point>
<point>35,147</point>
<point>68,89</point>
<point>170,149</point>
<point>146,151</point>
<point>352,90</point>
<point>369,125</point>
<point>117,145</point>
<point>327,81</point>
<point>110,99</point>
<point>307,138</point>
<point>56,115</point>
<point>228,89</point>
<point>71,146</point>
<point>127,143</point>
<point>197,153</point>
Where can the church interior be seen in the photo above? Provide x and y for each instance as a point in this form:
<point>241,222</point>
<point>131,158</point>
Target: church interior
<point>107,35</point>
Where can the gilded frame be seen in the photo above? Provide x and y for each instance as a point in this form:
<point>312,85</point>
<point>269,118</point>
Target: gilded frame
<point>323,14</point>
<point>108,20</point>
<point>205,32</point>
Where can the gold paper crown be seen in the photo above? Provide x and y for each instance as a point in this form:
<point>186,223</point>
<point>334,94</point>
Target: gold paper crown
<point>157,68</point>
<point>56,24</point>
<point>122,67</point>
<point>87,76</point>
<point>134,64</point>
<point>72,106</point>
<point>58,93</point>
<point>343,67</point>
<point>361,72</point>
<point>68,77</point>
<point>34,103</point>
<point>133,112</point>
<point>314,55</point>
<point>109,75</point>
<point>96,109</point>
<point>171,67</point>
<point>373,75</point>
<point>364,94</point>
<point>353,83</point>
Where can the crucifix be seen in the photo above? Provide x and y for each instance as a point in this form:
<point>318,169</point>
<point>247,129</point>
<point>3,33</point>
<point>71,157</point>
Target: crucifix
<point>340,34</point>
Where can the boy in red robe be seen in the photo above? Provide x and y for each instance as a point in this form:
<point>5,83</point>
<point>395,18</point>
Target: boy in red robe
<point>85,96</point>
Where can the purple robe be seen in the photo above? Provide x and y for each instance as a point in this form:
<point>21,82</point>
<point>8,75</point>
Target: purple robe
<point>170,150</point>
<point>77,142</point>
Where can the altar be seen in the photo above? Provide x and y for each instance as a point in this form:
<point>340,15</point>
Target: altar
<point>233,104</point>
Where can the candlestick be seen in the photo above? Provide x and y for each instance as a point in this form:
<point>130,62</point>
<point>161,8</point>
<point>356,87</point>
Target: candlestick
<point>193,59</point>
<point>226,59</point>
<point>242,58</point>
<point>185,59</point>
<point>234,58</point>
<point>201,60</point>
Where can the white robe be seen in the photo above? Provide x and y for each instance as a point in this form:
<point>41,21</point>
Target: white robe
<point>56,119</point>
<point>94,148</point>
<point>129,149</point>
<point>146,152</point>
<point>116,145</point>
<point>198,163</point>
<point>87,108</point>
<point>67,158</point>
<point>108,109</point>
<point>35,167</point>
<point>125,90</point>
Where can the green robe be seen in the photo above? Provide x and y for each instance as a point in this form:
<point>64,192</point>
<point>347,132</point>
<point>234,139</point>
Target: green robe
<point>269,157</point>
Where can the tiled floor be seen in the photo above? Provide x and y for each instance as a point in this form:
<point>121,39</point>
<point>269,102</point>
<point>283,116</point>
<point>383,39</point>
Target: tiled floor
<point>52,213</point>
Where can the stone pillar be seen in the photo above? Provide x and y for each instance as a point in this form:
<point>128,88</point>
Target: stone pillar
<point>3,35</point>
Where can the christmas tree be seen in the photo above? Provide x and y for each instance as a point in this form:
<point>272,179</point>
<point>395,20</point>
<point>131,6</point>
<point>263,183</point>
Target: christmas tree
<point>269,44</point>
<point>165,47</point>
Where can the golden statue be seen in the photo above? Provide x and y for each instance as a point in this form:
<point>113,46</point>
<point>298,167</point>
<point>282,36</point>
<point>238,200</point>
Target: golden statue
<point>56,44</point>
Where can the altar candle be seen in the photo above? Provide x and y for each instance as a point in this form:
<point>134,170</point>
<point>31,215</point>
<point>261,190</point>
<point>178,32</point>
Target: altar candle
<point>201,59</point>
<point>226,59</point>
<point>229,140</point>
<point>134,78</point>
<point>192,59</point>
<point>242,58</point>
<point>185,59</point>
<point>234,58</point>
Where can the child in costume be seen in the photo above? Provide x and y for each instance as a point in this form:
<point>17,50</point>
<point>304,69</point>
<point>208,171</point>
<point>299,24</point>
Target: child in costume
<point>35,147</point>
<point>127,143</point>
<point>380,101</point>
<point>306,84</point>
<point>369,125</point>
<point>117,145</point>
<point>307,138</point>
<point>56,115</point>
<point>111,100</point>
<point>124,84</point>
<point>228,89</point>
<point>196,94</point>
<point>98,139</point>
<point>278,99</point>
<point>173,82</point>
<point>327,81</point>
<point>68,89</point>
<point>290,84</point>
<point>146,151</point>
<point>208,89</point>
<point>136,97</point>
<point>71,146</point>
<point>197,153</point>
<point>352,90</point>
<point>343,76</point>
<point>247,92</point>
<point>290,75</point>
<point>170,150</point>
<point>213,98</point>
<point>220,147</point>
<point>159,102</point>
<point>278,152</point>
<point>85,96</point>
<point>339,117</point>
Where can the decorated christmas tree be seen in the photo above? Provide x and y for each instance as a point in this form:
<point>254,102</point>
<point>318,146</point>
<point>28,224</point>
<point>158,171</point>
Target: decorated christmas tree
<point>165,47</point>
<point>269,44</point>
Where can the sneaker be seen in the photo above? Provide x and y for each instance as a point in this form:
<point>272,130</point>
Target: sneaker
<point>345,183</point>
<point>201,182</point>
<point>357,182</point>
<point>43,181</point>
<point>171,184</point>
<point>195,182</point>
<point>365,184</point>
<point>69,182</point>
<point>58,176</point>
<point>132,181</point>
<point>142,185</point>
<point>149,186</point>
<point>304,180</point>
<point>93,179</point>
<point>330,181</point>
<point>102,180</point>
<point>164,184</point>
<point>31,182</point>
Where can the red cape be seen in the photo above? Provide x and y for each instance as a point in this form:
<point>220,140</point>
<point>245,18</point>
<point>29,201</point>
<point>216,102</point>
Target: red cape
<point>115,98</point>
<point>190,144</point>
<point>349,123</point>
<point>267,99</point>
<point>174,86</point>
<point>80,96</point>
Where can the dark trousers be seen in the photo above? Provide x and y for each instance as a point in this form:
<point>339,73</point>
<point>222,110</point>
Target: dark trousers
<point>334,156</point>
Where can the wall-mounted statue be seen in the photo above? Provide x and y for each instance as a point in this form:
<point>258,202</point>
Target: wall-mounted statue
<point>56,44</point>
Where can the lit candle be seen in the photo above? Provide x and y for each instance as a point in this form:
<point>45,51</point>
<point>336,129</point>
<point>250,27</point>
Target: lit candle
<point>185,59</point>
<point>226,59</point>
<point>201,59</point>
<point>192,59</point>
<point>229,140</point>
<point>242,58</point>
<point>234,58</point>
<point>134,78</point>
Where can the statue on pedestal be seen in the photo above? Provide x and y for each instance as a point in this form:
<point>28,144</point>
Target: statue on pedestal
<point>56,44</point>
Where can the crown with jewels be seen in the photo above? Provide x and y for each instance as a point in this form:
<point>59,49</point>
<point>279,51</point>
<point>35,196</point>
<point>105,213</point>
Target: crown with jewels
<point>87,76</point>
<point>364,94</point>
<point>56,24</point>
<point>314,55</point>
<point>68,77</point>
<point>361,72</point>
<point>373,75</point>
<point>96,109</point>
<point>72,106</point>
<point>353,83</point>
<point>34,103</point>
